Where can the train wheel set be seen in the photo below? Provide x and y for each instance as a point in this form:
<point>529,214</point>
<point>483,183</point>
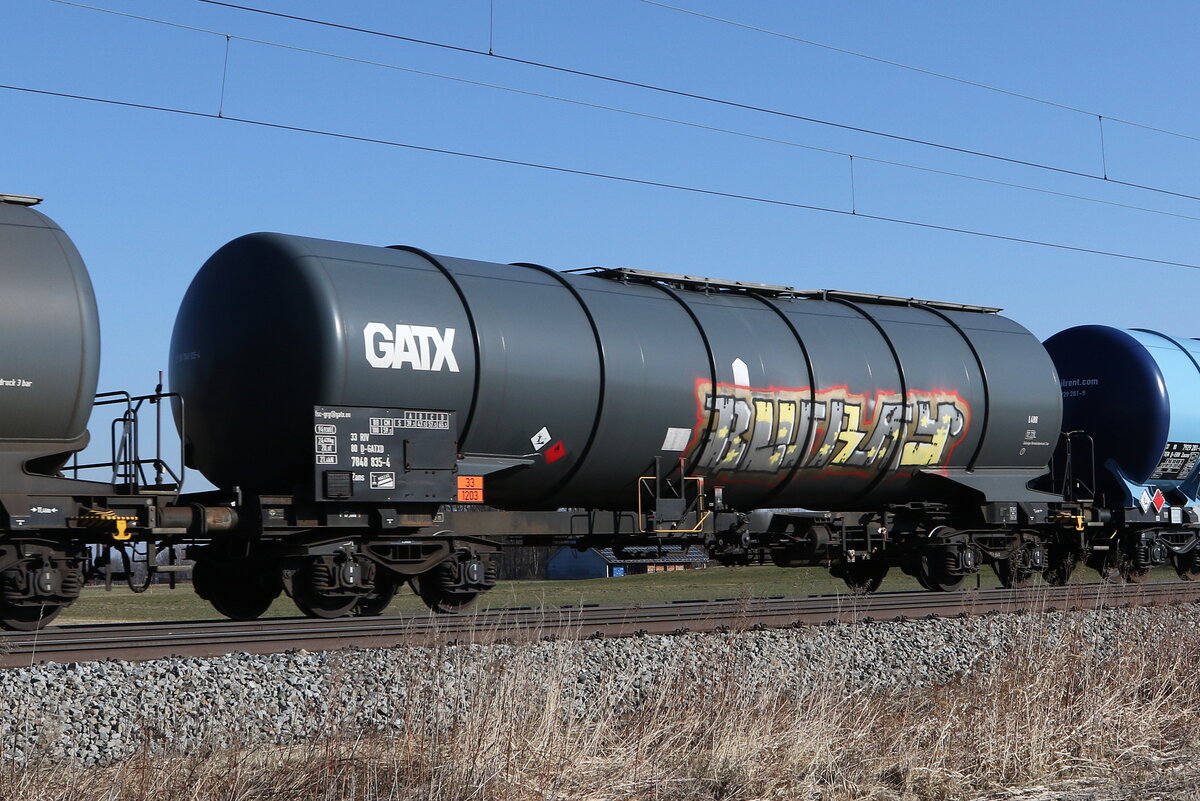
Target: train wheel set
<point>401,416</point>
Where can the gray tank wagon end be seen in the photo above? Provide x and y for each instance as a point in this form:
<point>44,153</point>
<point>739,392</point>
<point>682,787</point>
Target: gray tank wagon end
<point>50,330</point>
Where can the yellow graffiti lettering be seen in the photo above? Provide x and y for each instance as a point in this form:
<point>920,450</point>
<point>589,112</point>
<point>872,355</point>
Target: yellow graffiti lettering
<point>851,435</point>
<point>927,453</point>
<point>774,430</point>
<point>786,446</point>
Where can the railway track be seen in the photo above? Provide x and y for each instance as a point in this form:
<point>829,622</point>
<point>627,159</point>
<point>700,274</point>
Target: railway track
<point>141,641</point>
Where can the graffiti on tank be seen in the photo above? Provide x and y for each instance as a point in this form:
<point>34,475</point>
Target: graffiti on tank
<point>768,430</point>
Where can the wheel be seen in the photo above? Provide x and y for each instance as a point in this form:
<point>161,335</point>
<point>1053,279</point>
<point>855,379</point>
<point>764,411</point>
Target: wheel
<point>1115,567</point>
<point>439,599</point>
<point>1133,574</point>
<point>28,618</point>
<point>325,607</point>
<point>240,589</point>
<point>434,588</point>
<point>374,604</point>
<point>1187,565</point>
<point>863,577</point>
<point>911,565</point>
<point>1060,564</point>
<point>1013,572</point>
<point>313,598</point>
<point>934,575</point>
<point>34,590</point>
<point>246,606</point>
<point>1108,571</point>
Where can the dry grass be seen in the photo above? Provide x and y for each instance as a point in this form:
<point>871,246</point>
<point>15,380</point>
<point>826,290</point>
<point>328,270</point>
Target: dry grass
<point>1054,709</point>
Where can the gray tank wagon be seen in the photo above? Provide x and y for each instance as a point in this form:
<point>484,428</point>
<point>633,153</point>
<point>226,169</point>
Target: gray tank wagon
<point>684,403</point>
<point>51,333</point>
<point>582,381</point>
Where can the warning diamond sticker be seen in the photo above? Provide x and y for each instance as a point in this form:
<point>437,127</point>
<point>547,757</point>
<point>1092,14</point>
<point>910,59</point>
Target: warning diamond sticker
<point>540,439</point>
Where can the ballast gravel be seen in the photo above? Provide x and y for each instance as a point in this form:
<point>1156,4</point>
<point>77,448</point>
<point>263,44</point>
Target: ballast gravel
<point>100,712</point>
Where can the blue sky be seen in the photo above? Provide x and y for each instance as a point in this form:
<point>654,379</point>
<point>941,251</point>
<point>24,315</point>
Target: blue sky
<point>147,195</point>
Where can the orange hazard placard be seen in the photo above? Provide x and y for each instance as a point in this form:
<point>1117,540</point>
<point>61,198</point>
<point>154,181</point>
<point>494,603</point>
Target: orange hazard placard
<point>470,489</point>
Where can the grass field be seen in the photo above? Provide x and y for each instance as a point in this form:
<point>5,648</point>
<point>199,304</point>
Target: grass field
<point>160,603</point>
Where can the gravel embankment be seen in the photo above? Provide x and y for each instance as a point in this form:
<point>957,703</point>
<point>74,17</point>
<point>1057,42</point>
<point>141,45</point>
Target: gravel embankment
<point>94,713</point>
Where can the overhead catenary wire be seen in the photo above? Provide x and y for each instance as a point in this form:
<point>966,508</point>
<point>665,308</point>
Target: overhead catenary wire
<point>920,70</point>
<point>614,109</point>
<point>601,175</point>
<point>704,98</point>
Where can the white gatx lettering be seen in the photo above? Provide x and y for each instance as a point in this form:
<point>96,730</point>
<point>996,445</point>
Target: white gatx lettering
<point>420,347</point>
<point>380,347</point>
<point>406,349</point>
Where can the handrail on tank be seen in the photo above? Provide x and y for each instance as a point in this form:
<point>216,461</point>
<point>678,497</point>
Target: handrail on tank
<point>127,466</point>
<point>651,488</point>
<point>646,487</point>
<point>1071,481</point>
<point>703,284</point>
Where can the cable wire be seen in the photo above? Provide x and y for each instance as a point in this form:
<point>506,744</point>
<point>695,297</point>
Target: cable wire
<point>614,109</point>
<point>705,98</point>
<point>920,70</point>
<point>601,175</point>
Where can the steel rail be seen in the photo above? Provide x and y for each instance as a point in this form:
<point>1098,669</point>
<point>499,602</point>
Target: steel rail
<point>142,641</point>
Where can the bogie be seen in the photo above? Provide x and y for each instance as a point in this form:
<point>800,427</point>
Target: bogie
<point>454,584</point>
<point>38,579</point>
